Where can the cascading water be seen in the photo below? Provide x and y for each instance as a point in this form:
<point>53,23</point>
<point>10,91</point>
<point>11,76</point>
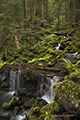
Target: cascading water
<point>16,80</point>
<point>12,80</point>
<point>70,55</point>
<point>57,47</point>
<point>46,88</point>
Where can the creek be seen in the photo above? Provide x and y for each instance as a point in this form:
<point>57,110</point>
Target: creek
<point>44,87</point>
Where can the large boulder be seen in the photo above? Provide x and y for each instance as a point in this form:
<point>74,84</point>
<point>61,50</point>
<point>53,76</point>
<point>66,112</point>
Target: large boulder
<point>67,93</point>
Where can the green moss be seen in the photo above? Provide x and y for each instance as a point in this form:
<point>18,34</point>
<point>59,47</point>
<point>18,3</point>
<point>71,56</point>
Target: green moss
<point>48,56</point>
<point>66,89</point>
<point>4,85</point>
<point>8,105</point>
<point>59,56</point>
<point>78,56</point>
<point>71,48</point>
<point>50,50</point>
<point>32,61</point>
<point>40,64</point>
<point>30,102</point>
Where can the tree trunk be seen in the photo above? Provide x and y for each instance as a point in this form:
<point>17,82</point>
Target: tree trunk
<point>65,12</point>
<point>42,9</point>
<point>58,15</point>
<point>23,14</point>
<point>46,9</point>
<point>0,6</point>
<point>16,41</point>
<point>35,7</point>
<point>26,8</point>
<point>74,15</point>
<point>71,7</point>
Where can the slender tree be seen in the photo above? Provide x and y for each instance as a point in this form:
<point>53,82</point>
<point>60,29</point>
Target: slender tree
<point>58,15</point>
<point>42,9</point>
<point>26,8</point>
<point>65,12</point>
<point>46,9</point>
<point>74,15</point>
<point>35,7</point>
<point>71,11</point>
<point>23,14</point>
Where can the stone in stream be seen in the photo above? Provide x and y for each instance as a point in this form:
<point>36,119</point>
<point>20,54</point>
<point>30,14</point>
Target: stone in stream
<point>15,110</point>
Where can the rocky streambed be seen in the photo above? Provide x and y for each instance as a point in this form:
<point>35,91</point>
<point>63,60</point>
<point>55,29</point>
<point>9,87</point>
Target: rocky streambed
<point>27,93</point>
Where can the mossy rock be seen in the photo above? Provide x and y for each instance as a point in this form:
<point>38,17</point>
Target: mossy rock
<point>40,64</point>
<point>29,103</point>
<point>32,61</point>
<point>78,56</point>
<point>46,57</point>
<point>8,105</point>
<point>74,76</point>
<point>52,62</point>
<point>67,94</point>
<point>4,85</point>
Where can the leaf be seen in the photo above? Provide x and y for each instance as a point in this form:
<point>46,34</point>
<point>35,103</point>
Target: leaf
<point>77,63</point>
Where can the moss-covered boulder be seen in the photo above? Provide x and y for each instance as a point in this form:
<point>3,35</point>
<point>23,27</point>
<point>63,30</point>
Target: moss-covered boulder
<point>68,94</point>
<point>52,62</point>
<point>34,111</point>
<point>78,56</point>
<point>10,104</point>
<point>66,103</point>
<point>29,103</point>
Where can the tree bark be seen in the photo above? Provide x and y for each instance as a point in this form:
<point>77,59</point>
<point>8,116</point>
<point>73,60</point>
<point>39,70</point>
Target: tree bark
<point>58,15</point>
<point>16,41</point>
<point>65,12</point>
<point>42,9</point>
<point>23,13</point>
<point>26,8</point>
<point>74,15</point>
<point>35,7</point>
<point>71,7</point>
<point>0,6</point>
<point>46,9</point>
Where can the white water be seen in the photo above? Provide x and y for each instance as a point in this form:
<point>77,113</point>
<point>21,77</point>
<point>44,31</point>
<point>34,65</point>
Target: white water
<point>57,47</point>
<point>16,80</point>
<point>70,55</point>
<point>46,88</point>
<point>18,117</point>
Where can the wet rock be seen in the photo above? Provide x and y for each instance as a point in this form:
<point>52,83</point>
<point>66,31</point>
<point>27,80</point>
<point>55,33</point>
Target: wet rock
<point>29,103</point>
<point>21,92</point>
<point>69,94</point>
<point>4,85</point>
<point>15,110</point>
<point>15,102</point>
<point>41,102</point>
<point>30,94</point>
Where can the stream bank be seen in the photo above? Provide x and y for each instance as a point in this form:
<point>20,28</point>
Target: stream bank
<point>56,62</point>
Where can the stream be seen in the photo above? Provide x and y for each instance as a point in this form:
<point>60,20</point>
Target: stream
<point>16,82</point>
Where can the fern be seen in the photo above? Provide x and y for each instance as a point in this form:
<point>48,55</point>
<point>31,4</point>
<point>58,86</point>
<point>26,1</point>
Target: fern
<point>68,64</point>
<point>77,63</point>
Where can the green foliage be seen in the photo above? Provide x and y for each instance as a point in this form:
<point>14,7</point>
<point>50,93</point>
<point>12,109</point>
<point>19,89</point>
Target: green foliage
<point>67,89</point>
<point>78,56</point>
<point>8,105</point>
<point>69,66</point>
<point>40,64</point>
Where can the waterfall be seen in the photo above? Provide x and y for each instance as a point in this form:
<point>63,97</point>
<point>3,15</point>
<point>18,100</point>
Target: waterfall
<point>46,88</point>
<point>16,80</point>
<point>12,80</point>
<point>57,47</point>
